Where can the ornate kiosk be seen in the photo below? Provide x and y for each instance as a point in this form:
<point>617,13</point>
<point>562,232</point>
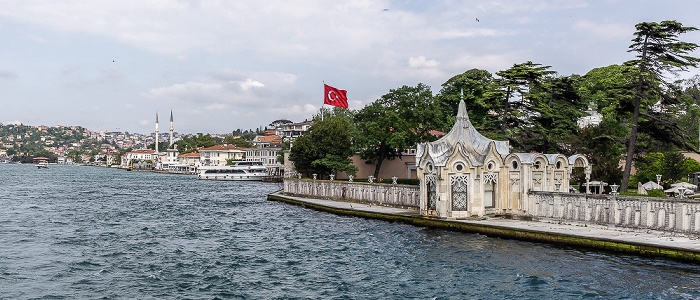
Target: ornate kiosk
<point>465,174</point>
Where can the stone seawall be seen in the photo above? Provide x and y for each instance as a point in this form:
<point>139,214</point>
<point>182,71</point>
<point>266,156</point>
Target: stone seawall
<point>671,215</point>
<point>661,214</point>
<point>398,195</point>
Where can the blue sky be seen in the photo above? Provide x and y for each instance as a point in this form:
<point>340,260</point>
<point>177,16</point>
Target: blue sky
<point>222,65</point>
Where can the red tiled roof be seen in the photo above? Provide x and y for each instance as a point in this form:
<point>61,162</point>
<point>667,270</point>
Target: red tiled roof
<point>269,138</point>
<point>437,133</point>
<point>191,154</point>
<point>143,151</point>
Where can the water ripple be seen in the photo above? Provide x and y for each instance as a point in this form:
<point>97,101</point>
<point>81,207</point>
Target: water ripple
<point>94,233</point>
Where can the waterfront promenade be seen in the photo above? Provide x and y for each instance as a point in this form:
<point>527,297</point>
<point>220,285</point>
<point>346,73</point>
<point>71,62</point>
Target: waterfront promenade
<point>648,243</point>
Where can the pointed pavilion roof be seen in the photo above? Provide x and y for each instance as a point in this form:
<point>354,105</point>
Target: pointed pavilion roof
<point>463,137</point>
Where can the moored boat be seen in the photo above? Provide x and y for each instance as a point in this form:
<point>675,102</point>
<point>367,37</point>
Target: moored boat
<point>42,165</point>
<point>247,170</point>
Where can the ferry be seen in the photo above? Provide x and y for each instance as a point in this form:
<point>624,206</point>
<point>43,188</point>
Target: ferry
<point>42,165</point>
<point>243,170</point>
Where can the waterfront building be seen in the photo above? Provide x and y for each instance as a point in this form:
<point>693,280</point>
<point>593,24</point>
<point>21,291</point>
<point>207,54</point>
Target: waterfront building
<point>295,130</point>
<point>141,159</point>
<point>265,141</point>
<point>107,158</point>
<point>267,156</point>
<point>466,174</point>
<point>217,155</point>
<point>190,159</point>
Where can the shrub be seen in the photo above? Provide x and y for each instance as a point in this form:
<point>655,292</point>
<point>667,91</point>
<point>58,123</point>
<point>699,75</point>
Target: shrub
<point>656,193</point>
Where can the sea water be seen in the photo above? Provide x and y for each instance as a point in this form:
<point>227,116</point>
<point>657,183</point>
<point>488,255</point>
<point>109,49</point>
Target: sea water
<point>75,232</point>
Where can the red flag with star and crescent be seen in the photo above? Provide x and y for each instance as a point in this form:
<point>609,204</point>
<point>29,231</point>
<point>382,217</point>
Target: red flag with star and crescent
<point>335,96</point>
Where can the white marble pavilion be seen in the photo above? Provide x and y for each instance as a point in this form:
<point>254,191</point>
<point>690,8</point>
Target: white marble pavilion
<point>465,174</point>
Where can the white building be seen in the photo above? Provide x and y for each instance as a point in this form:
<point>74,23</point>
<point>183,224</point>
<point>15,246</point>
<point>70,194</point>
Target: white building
<point>190,159</point>
<point>592,119</point>
<point>295,130</point>
<point>141,158</point>
<point>217,155</point>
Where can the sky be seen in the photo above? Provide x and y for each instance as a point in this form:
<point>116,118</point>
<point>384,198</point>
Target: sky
<point>223,65</point>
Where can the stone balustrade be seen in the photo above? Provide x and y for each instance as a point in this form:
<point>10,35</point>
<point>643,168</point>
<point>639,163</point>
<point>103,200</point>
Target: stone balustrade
<point>662,214</point>
<point>381,194</point>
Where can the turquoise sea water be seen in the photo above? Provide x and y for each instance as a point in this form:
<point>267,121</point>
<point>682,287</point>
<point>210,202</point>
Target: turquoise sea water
<point>94,233</point>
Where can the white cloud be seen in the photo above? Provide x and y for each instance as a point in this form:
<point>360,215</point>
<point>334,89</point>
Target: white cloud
<point>249,83</point>
<point>421,62</point>
<point>144,122</point>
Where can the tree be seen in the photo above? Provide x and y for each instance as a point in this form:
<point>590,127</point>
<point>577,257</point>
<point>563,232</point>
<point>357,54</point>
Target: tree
<point>658,52</point>
<point>603,145</point>
<point>555,108</point>
<point>238,142</point>
<point>477,87</point>
<point>515,84</point>
<point>672,166</point>
<point>190,143</point>
<point>280,122</point>
<point>325,149</point>
<point>161,146</point>
<point>397,121</point>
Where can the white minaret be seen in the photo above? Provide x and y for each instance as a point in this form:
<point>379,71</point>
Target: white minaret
<point>171,128</point>
<point>157,132</point>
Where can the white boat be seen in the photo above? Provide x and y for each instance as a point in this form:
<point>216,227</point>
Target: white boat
<point>244,170</point>
<point>42,165</point>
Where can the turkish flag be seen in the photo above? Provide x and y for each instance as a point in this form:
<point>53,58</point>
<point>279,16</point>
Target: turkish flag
<point>335,96</point>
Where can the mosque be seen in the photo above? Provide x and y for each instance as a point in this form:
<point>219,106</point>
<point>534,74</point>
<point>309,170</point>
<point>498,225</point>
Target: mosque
<point>465,174</point>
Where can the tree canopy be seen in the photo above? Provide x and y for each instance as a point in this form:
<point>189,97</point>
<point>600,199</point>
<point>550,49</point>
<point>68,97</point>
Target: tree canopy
<point>395,122</point>
<point>658,52</point>
<point>325,149</point>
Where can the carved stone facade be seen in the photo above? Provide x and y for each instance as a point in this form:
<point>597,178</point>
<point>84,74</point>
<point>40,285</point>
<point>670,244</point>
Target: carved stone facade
<point>466,174</point>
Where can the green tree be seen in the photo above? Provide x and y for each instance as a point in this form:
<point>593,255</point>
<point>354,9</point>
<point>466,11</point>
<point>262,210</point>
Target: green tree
<point>280,122</point>
<point>555,108</point>
<point>672,166</point>
<point>190,143</point>
<point>602,145</point>
<point>397,121</point>
<point>515,84</point>
<point>658,52</point>
<point>238,142</point>
<point>162,146</point>
<point>325,150</point>
<point>477,87</point>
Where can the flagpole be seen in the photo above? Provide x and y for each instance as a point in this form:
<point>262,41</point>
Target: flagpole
<point>324,98</point>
